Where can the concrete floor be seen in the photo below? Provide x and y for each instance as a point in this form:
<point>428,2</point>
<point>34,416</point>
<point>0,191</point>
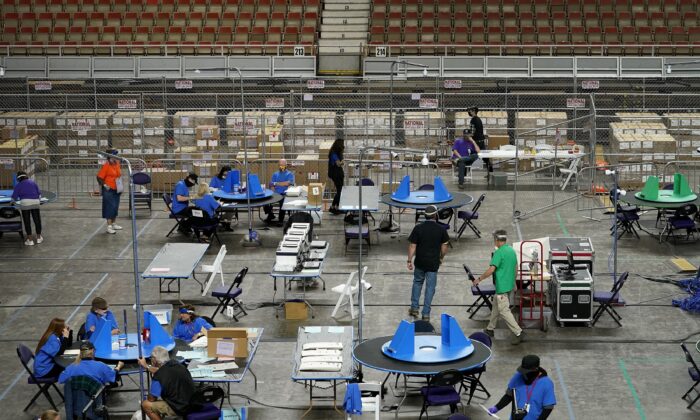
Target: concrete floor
<point>637,371</point>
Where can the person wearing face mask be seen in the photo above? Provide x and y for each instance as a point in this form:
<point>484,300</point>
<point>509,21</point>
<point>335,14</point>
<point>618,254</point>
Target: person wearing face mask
<point>217,182</point>
<point>98,316</point>
<point>533,391</point>
<point>181,201</point>
<point>281,180</point>
<point>110,180</point>
<point>476,126</point>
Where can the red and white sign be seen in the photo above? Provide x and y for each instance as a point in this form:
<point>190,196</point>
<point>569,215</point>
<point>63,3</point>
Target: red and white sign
<point>452,84</point>
<point>274,103</point>
<point>590,84</point>
<point>413,124</point>
<point>126,104</point>
<point>428,103</point>
<point>315,84</point>
<point>575,102</point>
<point>81,125</point>
<point>42,85</point>
<point>183,84</point>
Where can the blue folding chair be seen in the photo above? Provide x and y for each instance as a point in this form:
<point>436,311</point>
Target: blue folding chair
<point>142,198</point>
<point>484,294</point>
<point>472,377</point>
<point>468,217</point>
<point>208,411</point>
<point>441,391</point>
<point>44,383</point>
<point>607,299</point>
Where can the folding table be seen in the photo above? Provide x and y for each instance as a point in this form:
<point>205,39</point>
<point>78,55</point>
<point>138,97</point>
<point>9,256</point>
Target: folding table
<point>174,262</point>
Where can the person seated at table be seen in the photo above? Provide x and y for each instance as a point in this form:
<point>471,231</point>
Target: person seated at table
<point>181,201</point>
<point>100,313</point>
<point>86,365</point>
<point>55,340</point>
<point>28,196</point>
<point>190,326</point>
<point>208,204</point>
<point>172,387</point>
<point>218,180</point>
<point>281,180</point>
<point>465,152</point>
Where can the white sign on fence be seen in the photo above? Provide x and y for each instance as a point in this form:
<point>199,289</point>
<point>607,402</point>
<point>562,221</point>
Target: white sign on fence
<point>274,103</point>
<point>42,85</point>
<point>183,84</point>
<point>126,104</point>
<point>428,103</point>
<point>315,84</point>
<point>413,124</point>
<point>575,102</point>
<point>452,84</point>
<point>590,84</point>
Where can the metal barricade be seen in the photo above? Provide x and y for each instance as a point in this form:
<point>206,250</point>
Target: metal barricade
<point>36,168</point>
<point>166,172</point>
<point>378,171</point>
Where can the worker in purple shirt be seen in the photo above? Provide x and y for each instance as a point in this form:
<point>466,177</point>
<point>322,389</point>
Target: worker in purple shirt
<point>28,196</point>
<point>465,152</point>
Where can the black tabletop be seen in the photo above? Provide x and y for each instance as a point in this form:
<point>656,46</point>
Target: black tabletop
<point>242,205</point>
<point>458,200</point>
<point>631,199</point>
<point>370,354</point>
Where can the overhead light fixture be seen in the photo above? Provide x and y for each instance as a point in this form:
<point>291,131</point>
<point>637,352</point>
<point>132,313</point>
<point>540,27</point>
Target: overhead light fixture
<point>394,155</point>
<point>425,160</point>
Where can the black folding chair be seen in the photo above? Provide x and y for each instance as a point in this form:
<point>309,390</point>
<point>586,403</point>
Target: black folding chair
<point>25,356</point>
<point>228,296</point>
<point>167,198</point>
<point>484,294</point>
<point>201,222</point>
<point>472,377</point>
<point>143,197</point>
<point>468,218</point>
<point>207,410</point>
<point>694,373</point>
<point>607,299</point>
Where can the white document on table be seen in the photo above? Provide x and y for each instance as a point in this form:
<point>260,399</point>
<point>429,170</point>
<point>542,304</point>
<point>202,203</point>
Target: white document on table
<point>488,412</point>
<point>200,342</point>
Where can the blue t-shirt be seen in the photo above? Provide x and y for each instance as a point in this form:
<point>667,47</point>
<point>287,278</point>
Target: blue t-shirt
<point>216,182</point>
<point>463,147</point>
<point>186,330</point>
<point>542,394</point>
<point>43,361</point>
<point>208,204</point>
<point>180,189</point>
<point>92,368</point>
<point>156,389</point>
<point>280,176</point>
<point>334,159</point>
<point>98,322</point>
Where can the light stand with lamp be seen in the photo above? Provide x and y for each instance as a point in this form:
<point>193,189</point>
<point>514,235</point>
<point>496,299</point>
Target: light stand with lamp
<point>615,196</point>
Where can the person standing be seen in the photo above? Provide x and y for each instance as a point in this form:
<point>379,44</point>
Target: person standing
<point>503,268</point>
<point>428,243</point>
<point>465,151</point>
<point>335,172</point>
<point>476,126</point>
<point>110,180</point>
<point>533,390</point>
<point>28,196</point>
<point>281,180</point>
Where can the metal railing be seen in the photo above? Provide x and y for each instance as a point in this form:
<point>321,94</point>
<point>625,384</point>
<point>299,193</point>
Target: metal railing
<point>151,48</point>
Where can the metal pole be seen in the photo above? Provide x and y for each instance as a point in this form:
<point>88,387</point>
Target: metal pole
<point>360,286</point>
<point>615,201</point>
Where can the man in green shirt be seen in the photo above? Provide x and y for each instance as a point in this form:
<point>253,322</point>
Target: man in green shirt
<point>502,266</point>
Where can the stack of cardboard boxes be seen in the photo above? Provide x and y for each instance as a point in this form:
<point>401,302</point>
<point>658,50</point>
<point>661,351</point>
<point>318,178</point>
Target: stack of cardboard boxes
<point>366,129</point>
<point>531,131</point>
<point>685,127</point>
<point>127,137</point>
<point>424,129</point>
<point>308,129</point>
<point>82,133</point>
<point>261,126</point>
<point>40,123</point>
<point>495,122</point>
<point>198,129</point>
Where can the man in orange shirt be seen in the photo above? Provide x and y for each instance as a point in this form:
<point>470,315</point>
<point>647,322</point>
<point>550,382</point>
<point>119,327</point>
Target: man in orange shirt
<point>111,186</point>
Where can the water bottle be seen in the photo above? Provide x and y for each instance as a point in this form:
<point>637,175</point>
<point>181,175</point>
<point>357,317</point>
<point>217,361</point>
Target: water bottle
<point>534,265</point>
<point>235,188</point>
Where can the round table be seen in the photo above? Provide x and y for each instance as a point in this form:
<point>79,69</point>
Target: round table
<point>6,197</point>
<point>369,353</point>
<point>458,200</point>
<point>631,199</point>
<point>243,205</point>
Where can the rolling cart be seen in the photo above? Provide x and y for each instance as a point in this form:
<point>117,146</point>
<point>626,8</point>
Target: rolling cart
<point>533,312</point>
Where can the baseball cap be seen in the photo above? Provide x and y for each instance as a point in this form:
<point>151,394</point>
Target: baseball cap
<point>114,152</point>
<point>87,345</point>
<point>467,132</point>
<point>530,363</point>
<point>431,210</point>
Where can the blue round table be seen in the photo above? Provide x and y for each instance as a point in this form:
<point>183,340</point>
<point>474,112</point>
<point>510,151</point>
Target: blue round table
<point>458,200</point>
<point>131,352</point>
<point>6,197</point>
<point>222,195</point>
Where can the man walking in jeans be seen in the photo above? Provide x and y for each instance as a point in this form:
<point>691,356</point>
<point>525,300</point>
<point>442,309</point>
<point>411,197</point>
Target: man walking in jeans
<point>428,243</point>
<point>503,265</point>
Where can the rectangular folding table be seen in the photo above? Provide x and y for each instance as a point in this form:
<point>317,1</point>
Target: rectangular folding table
<point>303,276</point>
<point>313,379</point>
<point>174,262</point>
<point>350,198</point>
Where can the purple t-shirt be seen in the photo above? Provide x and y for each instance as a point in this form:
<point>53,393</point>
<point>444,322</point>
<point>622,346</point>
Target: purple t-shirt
<point>463,147</point>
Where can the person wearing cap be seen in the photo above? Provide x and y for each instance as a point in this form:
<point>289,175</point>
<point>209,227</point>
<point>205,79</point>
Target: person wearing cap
<point>217,182</point>
<point>502,267</point>
<point>428,244</point>
<point>100,316</point>
<point>190,326</point>
<point>281,180</point>
<point>110,179</point>
<point>465,151</point>
<point>533,391</point>
<point>476,127</point>
<point>28,196</point>
<point>181,200</point>
<point>86,365</point>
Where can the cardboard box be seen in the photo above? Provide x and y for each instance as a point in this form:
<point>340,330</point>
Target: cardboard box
<point>14,132</point>
<point>227,342</point>
<point>385,187</point>
<point>315,194</point>
<point>207,132</point>
<point>271,148</point>
<point>495,142</point>
<point>18,146</point>
<point>295,310</point>
<point>164,180</point>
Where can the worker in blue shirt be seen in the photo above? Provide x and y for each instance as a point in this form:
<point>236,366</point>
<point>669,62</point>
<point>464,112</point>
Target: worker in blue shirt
<point>218,180</point>
<point>53,343</point>
<point>181,201</point>
<point>533,391</point>
<point>100,316</point>
<point>190,326</point>
<point>281,180</point>
<point>208,204</point>
<point>86,365</point>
